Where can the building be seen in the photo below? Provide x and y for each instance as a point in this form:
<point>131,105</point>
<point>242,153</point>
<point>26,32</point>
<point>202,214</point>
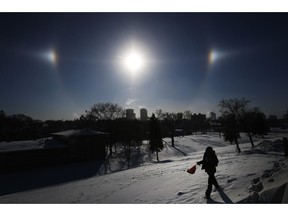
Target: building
<point>198,117</point>
<point>212,116</point>
<point>130,114</point>
<point>143,114</point>
<point>199,123</point>
<point>272,117</point>
<point>63,147</point>
<point>83,144</point>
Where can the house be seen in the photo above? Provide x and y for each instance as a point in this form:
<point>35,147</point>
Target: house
<point>63,147</point>
<point>83,144</point>
<point>20,155</point>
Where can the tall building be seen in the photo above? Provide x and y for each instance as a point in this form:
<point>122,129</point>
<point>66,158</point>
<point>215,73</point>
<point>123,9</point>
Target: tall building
<point>212,116</point>
<point>130,114</point>
<point>143,114</point>
<point>199,117</point>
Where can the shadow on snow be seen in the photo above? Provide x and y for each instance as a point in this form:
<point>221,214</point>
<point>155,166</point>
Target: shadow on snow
<point>223,196</point>
<point>44,177</point>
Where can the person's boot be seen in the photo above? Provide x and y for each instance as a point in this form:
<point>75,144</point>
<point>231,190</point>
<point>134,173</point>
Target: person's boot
<point>207,194</point>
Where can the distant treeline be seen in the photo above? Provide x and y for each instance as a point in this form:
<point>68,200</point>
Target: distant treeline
<point>22,127</point>
<point>109,117</point>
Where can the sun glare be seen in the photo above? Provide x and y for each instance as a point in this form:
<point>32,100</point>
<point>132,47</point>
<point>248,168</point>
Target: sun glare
<point>216,55</point>
<point>134,62</point>
<point>52,56</point>
<point>213,56</point>
<point>49,56</point>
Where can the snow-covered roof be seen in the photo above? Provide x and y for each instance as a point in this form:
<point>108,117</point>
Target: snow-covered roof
<point>47,143</point>
<point>73,133</point>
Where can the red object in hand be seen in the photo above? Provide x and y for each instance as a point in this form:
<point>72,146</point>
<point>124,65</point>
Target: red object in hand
<point>192,169</point>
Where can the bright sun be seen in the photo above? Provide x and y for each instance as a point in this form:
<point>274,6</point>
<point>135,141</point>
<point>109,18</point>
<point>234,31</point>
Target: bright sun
<point>134,62</point>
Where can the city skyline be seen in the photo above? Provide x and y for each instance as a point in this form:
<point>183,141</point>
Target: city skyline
<point>57,65</point>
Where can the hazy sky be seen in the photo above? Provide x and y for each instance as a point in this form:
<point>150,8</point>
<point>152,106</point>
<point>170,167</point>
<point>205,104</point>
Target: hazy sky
<point>56,66</point>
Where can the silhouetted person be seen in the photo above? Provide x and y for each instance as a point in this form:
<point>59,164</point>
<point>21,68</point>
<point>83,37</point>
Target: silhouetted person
<point>209,163</point>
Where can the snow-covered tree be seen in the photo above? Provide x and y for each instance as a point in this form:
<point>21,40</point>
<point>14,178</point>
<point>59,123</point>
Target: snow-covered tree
<point>105,112</point>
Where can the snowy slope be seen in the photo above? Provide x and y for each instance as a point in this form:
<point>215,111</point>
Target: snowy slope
<point>168,182</point>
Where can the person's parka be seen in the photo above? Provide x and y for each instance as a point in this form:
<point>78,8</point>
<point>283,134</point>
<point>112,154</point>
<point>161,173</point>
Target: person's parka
<point>209,161</point>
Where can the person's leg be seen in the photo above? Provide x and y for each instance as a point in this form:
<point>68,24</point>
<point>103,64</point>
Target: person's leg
<point>214,181</point>
<point>209,188</point>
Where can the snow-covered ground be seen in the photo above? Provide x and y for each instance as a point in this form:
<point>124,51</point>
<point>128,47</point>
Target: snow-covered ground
<point>253,176</point>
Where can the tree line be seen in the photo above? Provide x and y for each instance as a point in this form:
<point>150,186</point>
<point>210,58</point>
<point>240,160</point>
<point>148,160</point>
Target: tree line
<point>236,117</point>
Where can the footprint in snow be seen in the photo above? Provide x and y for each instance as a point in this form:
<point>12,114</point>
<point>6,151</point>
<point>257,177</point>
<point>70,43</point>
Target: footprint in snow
<point>251,174</point>
<point>181,193</point>
<point>231,180</point>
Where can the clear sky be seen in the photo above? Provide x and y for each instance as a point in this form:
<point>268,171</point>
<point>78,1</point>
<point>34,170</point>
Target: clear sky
<point>57,65</point>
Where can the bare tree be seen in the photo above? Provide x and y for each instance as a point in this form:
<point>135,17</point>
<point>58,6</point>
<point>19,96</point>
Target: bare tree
<point>187,114</point>
<point>250,120</point>
<point>256,122</point>
<point>239,109</point>
<point>105,111</point>
<point>171,120</point>
<point>160,114</point>
<point>236,107</point>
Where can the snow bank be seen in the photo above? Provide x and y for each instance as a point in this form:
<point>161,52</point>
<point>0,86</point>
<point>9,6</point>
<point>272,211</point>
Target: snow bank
<point>254,176</point>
